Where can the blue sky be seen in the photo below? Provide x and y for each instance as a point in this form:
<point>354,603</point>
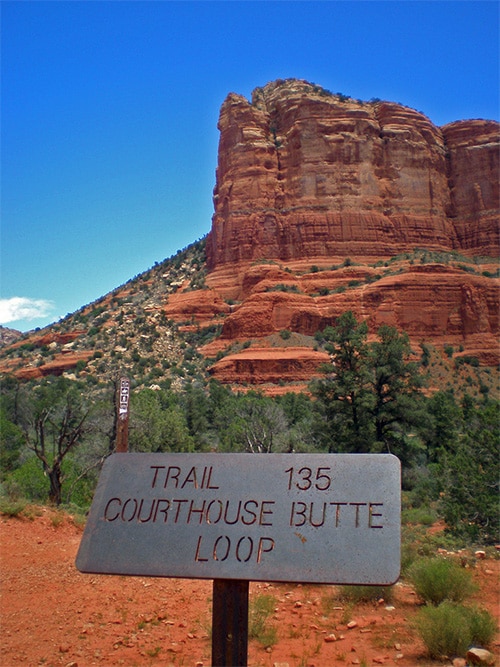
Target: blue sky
<point>109,116</point>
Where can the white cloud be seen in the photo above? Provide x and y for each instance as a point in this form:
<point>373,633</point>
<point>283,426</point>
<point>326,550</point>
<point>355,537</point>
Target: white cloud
<point>22,308</point>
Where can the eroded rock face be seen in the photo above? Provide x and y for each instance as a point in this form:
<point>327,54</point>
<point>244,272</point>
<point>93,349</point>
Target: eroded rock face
<point>430,302</point>
<point>303,173</point>
<point>59,365</point>
<point>264,365</point>
<point>474,183</point>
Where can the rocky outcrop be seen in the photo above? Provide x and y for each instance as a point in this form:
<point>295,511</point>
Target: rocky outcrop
<point>58,344</point>
<point>306,174</point>
<point>480,656</point>
<point>444,305</point>
<point>202,305</point>
<point>62,363</point>
<point>8,336</point>
<point>265,365</point>
<point>428,302</point>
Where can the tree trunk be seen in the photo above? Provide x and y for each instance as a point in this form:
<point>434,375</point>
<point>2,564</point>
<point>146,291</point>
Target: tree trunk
<point>55,493</point>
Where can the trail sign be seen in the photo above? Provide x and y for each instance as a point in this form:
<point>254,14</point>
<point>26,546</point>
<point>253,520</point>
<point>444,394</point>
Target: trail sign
<point>318,518</point>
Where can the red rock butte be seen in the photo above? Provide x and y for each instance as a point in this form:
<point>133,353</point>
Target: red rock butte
<point>303,173</point>
<point>308,178</point>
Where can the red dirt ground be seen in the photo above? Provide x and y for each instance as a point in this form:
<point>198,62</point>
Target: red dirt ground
<point>52,615</point>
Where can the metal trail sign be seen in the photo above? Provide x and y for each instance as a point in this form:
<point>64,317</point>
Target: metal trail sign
<point>320,518</point>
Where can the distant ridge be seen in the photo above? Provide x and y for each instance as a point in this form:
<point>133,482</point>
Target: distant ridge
<point>8,336</point>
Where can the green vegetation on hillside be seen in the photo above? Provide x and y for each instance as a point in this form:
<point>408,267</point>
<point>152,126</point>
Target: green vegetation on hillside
<point>56,432</point>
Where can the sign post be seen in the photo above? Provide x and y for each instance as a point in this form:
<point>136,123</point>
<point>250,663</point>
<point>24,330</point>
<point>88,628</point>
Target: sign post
<point>230,623</point>
<point>235,518</point>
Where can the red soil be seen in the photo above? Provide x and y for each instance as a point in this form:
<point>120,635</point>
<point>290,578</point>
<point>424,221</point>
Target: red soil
<point>54,616</point>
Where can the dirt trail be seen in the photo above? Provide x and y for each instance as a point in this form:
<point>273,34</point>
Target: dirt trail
<point>52,615</point>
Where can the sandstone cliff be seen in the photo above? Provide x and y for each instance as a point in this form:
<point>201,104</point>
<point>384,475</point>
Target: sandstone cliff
<point>309,179</point>
<point>304,173</point>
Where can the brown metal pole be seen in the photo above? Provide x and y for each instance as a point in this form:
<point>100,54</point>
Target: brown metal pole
<point>122,408</point>
<point>230,623</point>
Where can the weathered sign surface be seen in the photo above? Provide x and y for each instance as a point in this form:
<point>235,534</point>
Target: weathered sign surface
<point>325,518</point>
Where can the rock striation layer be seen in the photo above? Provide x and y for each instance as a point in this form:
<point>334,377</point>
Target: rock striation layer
<point>304,173</point>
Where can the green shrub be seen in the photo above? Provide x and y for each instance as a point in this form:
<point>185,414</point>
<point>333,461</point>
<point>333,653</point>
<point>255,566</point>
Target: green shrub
<point>467,359</point>
<point>366,593</point>
<point>30,481</point>
<point>450,629</point>
<point>418,515</point>
<point>80,365</point>
<point>285,334</point>
<point>426,354</point>
<point>258,627</point>
<point>482,625</point>
<point>11,507</point>
<point>438,579</point>
<point>444,630</point>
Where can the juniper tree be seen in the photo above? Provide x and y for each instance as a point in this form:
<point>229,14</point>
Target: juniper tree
<point>370,396</point>
<point>54,422</point>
